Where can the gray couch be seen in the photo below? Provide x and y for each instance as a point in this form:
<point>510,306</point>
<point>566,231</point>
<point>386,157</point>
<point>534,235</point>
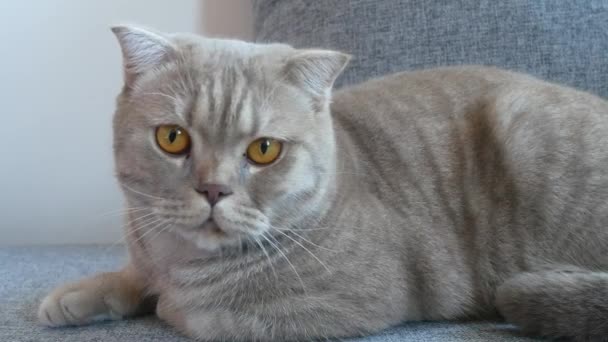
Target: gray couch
<point>560,40</point>
<point>28,273</point>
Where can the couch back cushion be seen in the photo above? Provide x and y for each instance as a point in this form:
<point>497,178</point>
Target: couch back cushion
<point>558,40</point>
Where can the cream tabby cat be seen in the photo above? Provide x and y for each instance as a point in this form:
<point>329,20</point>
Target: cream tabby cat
<point>269,208</point>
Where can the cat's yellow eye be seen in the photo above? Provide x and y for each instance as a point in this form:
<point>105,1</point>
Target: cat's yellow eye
<point>173,139</point>
<point>264,151</point>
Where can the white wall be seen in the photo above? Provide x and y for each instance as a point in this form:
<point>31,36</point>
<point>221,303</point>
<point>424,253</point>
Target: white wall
<point>59,75</point>
<point>227,18</point>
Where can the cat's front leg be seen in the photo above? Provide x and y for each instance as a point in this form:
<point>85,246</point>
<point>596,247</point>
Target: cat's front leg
<point>211,325</point>
<point>111,295</point>
<point>291,319</point>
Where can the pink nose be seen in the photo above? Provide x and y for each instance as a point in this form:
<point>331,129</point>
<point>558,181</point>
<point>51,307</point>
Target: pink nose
<point>214,192</point>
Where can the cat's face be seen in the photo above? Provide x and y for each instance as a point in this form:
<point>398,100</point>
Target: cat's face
<point>223,141</point>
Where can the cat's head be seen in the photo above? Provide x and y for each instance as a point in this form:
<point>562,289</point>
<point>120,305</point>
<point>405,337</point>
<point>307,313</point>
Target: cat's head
<point>219,141</point>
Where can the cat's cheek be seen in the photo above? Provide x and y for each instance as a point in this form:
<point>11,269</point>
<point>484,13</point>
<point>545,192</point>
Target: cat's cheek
<point>227,220</point>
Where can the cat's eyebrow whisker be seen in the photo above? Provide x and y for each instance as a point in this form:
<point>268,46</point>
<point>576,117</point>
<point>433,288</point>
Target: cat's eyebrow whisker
<point>306,249</point>
<point>263,235</point>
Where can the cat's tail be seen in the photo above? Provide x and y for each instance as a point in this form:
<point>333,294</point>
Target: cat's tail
<point>570,304</point>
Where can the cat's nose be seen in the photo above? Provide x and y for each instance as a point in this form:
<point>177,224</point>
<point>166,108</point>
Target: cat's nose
<point>214,192</point>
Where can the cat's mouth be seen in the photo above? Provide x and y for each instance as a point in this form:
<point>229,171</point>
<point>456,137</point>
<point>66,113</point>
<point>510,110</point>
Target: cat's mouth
<point>211,227</point>
<point>207,236</point>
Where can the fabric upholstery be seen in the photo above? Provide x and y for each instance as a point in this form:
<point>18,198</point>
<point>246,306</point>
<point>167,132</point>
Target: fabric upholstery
<point>28,273</point>
<point>559,40</point>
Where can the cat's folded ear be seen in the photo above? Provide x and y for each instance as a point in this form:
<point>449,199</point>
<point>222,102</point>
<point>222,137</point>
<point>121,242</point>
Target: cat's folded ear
<point>315,71</point>
<point>142,50</point>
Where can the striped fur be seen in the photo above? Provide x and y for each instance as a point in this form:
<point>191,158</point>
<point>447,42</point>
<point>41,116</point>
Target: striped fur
<point>452,193</point>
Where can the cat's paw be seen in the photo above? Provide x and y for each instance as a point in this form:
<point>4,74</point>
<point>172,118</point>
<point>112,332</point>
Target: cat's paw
<point>169,313</point>
<point>74,308</point>
<point>106,296</point>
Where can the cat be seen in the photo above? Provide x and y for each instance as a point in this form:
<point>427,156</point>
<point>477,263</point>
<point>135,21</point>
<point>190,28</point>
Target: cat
<point>263,205</point>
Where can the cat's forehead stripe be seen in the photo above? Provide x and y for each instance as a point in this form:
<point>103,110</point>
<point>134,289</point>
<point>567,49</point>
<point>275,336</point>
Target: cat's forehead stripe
<point>224,104</point>
<point>192,106</point>
<point>246,120</point>
<point>233,109</point>
<point>209,95</point>
<point>230,91</point>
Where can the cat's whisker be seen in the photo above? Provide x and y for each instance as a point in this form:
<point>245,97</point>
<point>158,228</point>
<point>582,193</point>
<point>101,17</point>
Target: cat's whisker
<point>121,211</point>
<point>122,239</point>
<point>162,222</point>
<point>306,249</point>
<point>113,244</point>
<point>132,228</point>
<point>142,193</point>
<point>118,212</point>
<point>142,225</point>
<point>293,231</point>
<point>286,259</point>
<point>167,226</point>
<point>129,232</point>
<point>259,243</point>
<point>133,221</point>
<point>161,94</point>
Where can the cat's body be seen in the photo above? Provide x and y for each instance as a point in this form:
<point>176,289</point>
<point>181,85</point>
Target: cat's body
<point>485,173</point>
<point>440,194</point>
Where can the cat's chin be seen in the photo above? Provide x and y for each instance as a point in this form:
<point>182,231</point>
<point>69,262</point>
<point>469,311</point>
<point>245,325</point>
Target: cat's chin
<point>208,237</point>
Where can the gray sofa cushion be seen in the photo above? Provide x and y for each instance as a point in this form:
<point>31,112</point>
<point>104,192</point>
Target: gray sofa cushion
<point>28,273</point>
<point>560,40</point>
